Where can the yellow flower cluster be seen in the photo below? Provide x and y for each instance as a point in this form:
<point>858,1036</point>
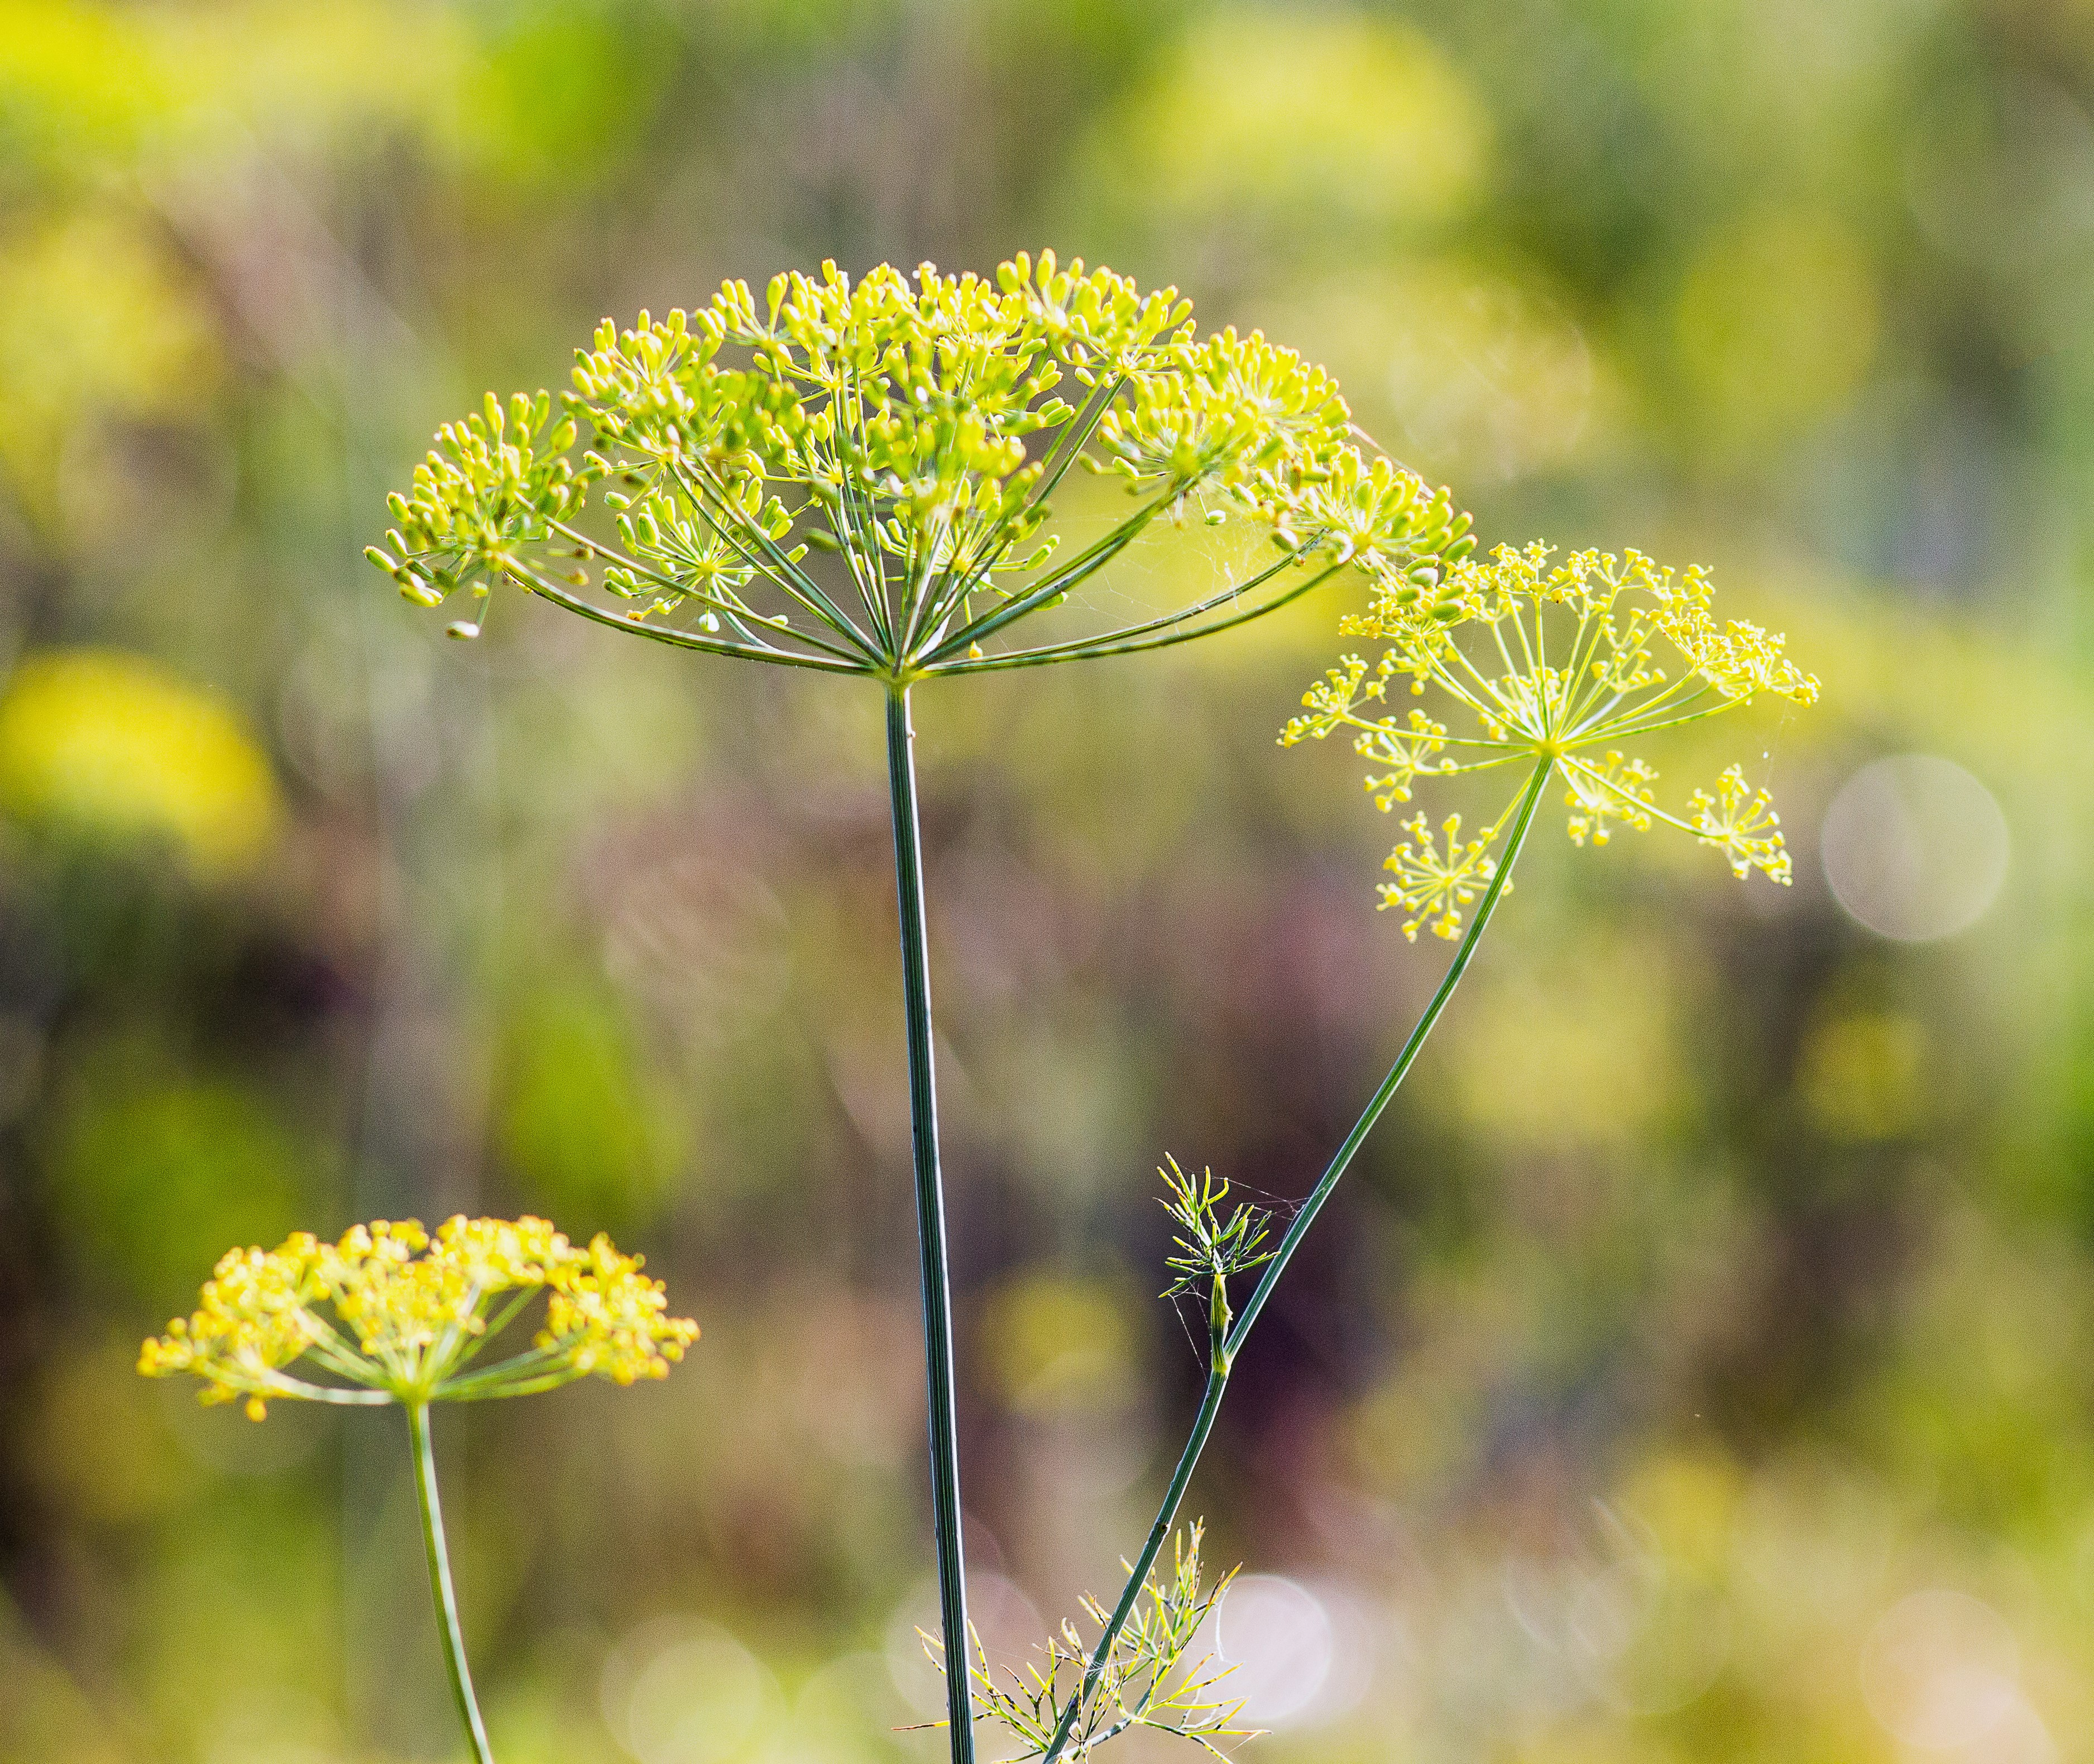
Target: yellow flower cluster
<point>914,429</point>
<point>1552,665</point>
<point>411,1312</point>
<point>1437,882</point>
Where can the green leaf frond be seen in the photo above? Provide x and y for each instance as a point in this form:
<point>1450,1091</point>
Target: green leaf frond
<point>1211,1246</point>
<point>857,476</point>
<point>1151,1679</point>
<point>1528,661</point>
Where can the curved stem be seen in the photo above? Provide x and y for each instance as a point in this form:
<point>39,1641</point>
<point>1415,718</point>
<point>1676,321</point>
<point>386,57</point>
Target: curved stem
<point>1223,1355</point>
<point>1088,562</point>
<point>931,1226</point>
<point>281,1384</point>
<point>780,569</point>
<point>440,1582</point>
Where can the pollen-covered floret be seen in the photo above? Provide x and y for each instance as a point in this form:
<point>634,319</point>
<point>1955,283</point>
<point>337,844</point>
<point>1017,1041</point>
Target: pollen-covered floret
<point>1614,789</point>
<point>410,1313</point>
<point>1554,665</point>
<point>254,1318</point>
<point>603,1316</point>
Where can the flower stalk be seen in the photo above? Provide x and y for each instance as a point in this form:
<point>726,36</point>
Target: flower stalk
<point>1227,1335</point>
<point>933,1256</point>
<point>448,1627</point>
<point>1480,634</point>
<point>855,477</point>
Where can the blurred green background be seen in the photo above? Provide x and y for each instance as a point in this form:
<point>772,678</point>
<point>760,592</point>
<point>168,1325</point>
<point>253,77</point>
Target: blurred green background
<point>1697,1365</point>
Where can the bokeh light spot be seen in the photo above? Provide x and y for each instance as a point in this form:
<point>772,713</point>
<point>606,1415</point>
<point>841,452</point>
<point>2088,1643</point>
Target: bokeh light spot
<point>1915,848</point>
<point>1941,1671</point>
<point>1861,1076</point>
<point>1057,1344</point>
<point>677,1691</point>
<point>1281,1643</point>
<point>1391,132</point>
<point>1776,324</point>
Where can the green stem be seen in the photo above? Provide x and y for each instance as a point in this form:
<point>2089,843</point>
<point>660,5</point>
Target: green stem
<point>1299,1227</point>
<point>931,1226</point>
<point>440,1582</point>
<point>538,585</point>
<point>1137,1575</point>
<point>1223,1358</point>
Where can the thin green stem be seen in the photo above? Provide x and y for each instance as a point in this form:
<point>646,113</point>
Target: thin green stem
<point>529,1363</point>
<point>780,568</point>
<point>282,1384</point>
<point>1137,1574</point>
<point>500,1321</point>
<point>1298,1228</point>
<point>1223,1356</point>
<point>1165,621</point>
<point>1067,445</point>
<point>724,604</point>
<point>440,1582</point>
<point>931,1226</point>
<point>1088,562</point>
<point>1075,436</point>
<point>520,1386</point>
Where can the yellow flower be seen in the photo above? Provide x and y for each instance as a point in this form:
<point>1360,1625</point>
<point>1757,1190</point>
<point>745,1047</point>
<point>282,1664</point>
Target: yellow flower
<point>1434,886</point>
<point>914,432</point>
<point>1618,789</point>
<point>411,1312</point>
<point>1554,665</point>
<point>1743,824</point>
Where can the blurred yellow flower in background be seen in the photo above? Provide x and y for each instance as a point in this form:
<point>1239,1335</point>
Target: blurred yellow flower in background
<point>116,746</point>
<point>414,1309</point>
<point>1480,373</point>
<point>96,320</point>
<point>1057,1344</point>
<point>1390,131</point>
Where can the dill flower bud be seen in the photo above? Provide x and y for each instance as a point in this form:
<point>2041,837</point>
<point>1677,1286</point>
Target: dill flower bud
<point>410,1313</point>
<point>1552,665</point>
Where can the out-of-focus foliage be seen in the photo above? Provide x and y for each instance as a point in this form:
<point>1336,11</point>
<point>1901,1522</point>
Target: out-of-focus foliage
<point>1341,118</point>
<point>1693,1367</point>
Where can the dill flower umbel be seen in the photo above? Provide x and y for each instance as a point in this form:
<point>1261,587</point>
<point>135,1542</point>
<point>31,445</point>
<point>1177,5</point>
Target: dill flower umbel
<point>856,475</point>
<point>411,1314</point>
<point>1554,666</point>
